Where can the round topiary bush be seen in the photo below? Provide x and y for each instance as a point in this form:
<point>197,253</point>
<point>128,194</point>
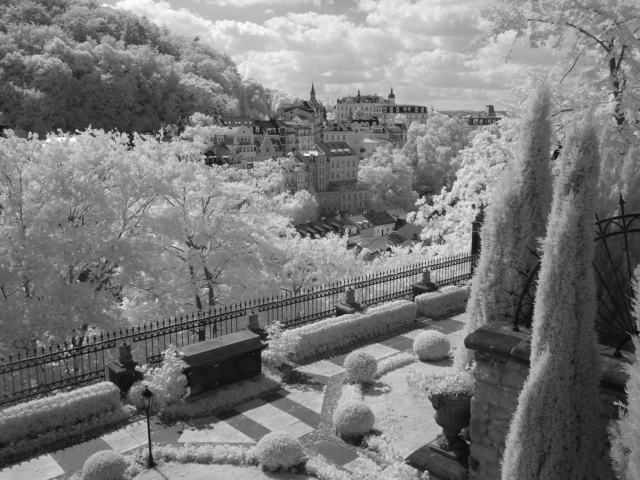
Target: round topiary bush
<point>361,367</point>
<point>104,465</point>
<point>431,345</point>
<point>278,449</point>
<point>353,418</point>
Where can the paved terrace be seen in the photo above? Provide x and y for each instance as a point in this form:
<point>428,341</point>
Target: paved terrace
<point>303,410</point>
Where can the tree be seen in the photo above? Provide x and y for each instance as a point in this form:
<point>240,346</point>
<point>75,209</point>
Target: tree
<point>388,175</point>
<point>357,113</point>
<point>516,218</point>
<point>554,430</point>
<point>432,149</point>
<point>448,220</point>
<point>625,432</point>
<point>602,32</point>
<point>301,207</point>
<point>74,221</point>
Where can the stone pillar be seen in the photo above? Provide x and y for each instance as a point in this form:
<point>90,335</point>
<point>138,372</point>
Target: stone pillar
<point>123,373</point>
<point>425,284</point>
<point>349,305</point>
<point>476,227</point>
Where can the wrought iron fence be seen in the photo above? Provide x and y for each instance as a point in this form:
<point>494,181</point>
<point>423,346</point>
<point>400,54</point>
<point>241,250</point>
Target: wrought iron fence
<point>66,367</point>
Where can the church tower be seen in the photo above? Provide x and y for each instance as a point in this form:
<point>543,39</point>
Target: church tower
<point>312,99</point>
<point>392,97</point>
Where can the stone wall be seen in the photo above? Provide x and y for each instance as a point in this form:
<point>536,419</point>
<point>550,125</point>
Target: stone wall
<point>502,358</point>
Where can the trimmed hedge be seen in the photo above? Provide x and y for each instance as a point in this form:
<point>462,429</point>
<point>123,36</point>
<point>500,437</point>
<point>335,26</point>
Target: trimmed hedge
<point>337,332</point>
<point>442,301</point>
<point>34,424</point>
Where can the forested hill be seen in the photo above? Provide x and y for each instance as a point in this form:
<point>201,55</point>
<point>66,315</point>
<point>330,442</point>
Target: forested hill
<point>69,64</point>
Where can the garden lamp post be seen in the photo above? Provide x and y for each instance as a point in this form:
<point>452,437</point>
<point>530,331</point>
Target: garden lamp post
<point>147,401</point>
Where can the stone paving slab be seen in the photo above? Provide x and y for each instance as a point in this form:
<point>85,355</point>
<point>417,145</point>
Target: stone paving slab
<point>39,468</point>
<point>378,351</point>
<point>311,400</point>
<point>73,458</point>
<point>335,453</point>
<point>321,371</point>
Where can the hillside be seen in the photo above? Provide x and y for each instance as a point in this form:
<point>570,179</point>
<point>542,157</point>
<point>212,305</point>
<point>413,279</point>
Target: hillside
<point>68,64</point>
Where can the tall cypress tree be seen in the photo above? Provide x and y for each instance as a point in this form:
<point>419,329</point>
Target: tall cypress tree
<point>516,218</point>
<point>553,433</point>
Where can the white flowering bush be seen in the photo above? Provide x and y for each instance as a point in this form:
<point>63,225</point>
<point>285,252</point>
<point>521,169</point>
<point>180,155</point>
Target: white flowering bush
<point>450,382</point>
<point>327,335</point>
<point>279,450</point>
<point>353,419</point>
<point>279,345</point>
<point>105,465</point>
<point>225,397</point>
<point>431,345</point>
<point>167,382</point>
<point>31,425</point>
<point>361,367</point>
<point>442,301</point>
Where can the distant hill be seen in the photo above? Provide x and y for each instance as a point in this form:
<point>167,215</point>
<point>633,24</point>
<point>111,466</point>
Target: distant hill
<point>68,64</point>
<point>462,113</point>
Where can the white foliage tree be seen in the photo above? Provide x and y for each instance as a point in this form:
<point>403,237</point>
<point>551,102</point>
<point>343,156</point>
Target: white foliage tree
<point>516,218</point>
<point>554,431</point>
<point>388,174</point>
<point>448,221</point>
<point>432,149</point>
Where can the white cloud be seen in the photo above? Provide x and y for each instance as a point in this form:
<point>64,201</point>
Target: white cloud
<point>432,51</point>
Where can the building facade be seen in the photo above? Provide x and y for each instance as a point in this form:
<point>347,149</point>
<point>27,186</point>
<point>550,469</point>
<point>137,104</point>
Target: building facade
<point>346,107</point>
<point>483,119</point>
<point>414,113</point>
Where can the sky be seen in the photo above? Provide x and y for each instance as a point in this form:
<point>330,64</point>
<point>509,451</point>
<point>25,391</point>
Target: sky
<point>432,52</point>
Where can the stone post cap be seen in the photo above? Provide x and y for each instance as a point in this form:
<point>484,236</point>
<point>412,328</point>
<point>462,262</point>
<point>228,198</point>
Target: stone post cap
<point>124,357</point>
<point>426,276</point>
<point>350,295</point>
<point>253,322</point>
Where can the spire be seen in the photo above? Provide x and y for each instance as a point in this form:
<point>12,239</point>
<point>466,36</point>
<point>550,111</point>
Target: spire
<point>312,98</point>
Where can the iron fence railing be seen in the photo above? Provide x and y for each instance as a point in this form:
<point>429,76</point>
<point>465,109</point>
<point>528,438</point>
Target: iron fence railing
<point>48,370</point>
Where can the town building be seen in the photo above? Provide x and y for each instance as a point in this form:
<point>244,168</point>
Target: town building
<point>414,113</point>
<point>482,119</point>
<point>346,107</point>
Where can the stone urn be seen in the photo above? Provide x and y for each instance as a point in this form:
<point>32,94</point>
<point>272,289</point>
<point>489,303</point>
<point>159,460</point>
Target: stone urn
<point>453,413</point>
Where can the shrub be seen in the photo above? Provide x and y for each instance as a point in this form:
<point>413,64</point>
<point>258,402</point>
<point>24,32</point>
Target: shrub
<point>361,367</point>
<point>327,335</point>
<point>36,423</point>
<point>554,431</point>
<point>105,465</point>
<point>167,382</point>
<point>279,450</point>
<point>394,362</point>
<point>515,219</point>
<point>431,345</point>
<point>442,301</point>
<point>353,419</point>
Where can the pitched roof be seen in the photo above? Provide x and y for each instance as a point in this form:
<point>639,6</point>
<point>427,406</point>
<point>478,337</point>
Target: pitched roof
<point>407,231</point>
<point>380,218</point>
<point>382,244</point>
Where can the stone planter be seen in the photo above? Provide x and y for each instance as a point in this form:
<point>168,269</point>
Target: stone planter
<point>453,413</point>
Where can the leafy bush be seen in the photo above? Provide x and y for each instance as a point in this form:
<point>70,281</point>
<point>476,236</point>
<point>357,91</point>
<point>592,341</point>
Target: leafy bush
<point>336,332</point>
<point>448,382</point>
<point>442,301</point>
<point>431,345</point>
<point>361,367</point>
<point>353,419</point>
<point>279,450</point>
<point>167,382</point>
<point>105,465</point>
<point>279,346</point>
<point>203,454</point>
<point>394,362</point>
<point>34,424</point>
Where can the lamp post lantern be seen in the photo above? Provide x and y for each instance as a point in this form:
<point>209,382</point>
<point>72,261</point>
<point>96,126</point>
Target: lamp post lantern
<point>147,401</point>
